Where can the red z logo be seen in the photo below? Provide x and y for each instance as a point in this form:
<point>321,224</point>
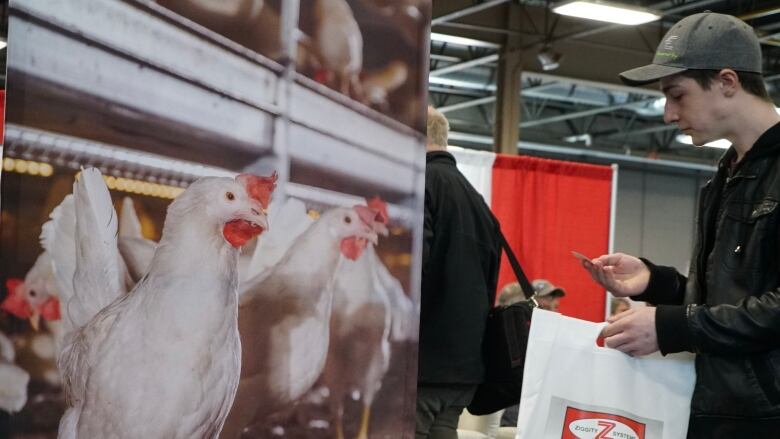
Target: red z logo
<point>578,424</point>
<point>608,426</point>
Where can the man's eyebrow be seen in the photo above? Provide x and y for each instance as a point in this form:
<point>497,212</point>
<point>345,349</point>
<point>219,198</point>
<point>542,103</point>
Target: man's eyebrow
<point>669,87</point>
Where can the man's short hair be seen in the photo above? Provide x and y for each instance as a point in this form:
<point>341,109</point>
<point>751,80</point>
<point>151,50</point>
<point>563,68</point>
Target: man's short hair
<point>510,294</point>
<point>752,83</point>
<point>438,127</point>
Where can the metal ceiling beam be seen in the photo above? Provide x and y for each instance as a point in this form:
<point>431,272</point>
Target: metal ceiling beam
<point>771,78</point>
<point>578,114</point>
<point>465,65</point>
<point>648,130</point>
<point>471,85</point>
<point>595,84</point>
<point>467,104</point>
<point>456,92</point>
<point>546,77</point>
<point>582,152</point>
<point>488,29</point>
<point>437,57</point>
<point>770,39</point>
<point>488,99</point>
<point>466,11</point>
<point>759,14</point>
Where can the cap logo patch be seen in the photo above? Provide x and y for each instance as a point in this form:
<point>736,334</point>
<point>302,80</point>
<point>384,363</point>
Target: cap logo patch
<point>668,43</point>
<point>667,49</point>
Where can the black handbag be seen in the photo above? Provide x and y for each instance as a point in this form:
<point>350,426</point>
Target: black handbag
<point>504,346</point>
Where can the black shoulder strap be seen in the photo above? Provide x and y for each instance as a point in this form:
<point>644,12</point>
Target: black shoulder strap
<point>528,290</point>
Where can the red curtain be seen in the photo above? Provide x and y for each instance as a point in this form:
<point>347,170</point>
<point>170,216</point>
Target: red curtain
<point>547,208</point>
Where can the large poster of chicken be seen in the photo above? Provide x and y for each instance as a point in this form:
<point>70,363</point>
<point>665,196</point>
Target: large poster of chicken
<point>211,218</point>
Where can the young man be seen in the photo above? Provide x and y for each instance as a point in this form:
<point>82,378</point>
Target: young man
<point>461,253</point>
<point>728,309</point>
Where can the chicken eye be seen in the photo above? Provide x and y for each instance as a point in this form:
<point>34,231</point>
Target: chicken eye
<point>33,293</point>
<point>347,219</point>
<point>230,196</point>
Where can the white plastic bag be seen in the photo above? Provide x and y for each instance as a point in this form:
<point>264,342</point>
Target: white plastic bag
<point>573,388</point>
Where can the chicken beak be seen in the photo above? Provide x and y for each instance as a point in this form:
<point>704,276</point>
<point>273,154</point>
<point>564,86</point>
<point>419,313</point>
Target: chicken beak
<point>381,229</point>
<point>372,237</point>
<point>261,220</point>
<point>35,320</point>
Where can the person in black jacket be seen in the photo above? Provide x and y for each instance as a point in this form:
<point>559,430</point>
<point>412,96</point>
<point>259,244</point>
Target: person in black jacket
<point>461,253</point>
<point>728,309</point>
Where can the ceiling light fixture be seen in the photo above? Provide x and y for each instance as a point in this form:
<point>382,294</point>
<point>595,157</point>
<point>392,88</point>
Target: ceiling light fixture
<point>462,41</point>
<point>549,59</point>
<point>610,12</point>
<point>686,139</point>
<point>586,138</point>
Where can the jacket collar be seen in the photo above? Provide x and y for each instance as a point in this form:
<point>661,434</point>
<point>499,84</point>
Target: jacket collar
<point>440,157</point>
<point>767,144</point>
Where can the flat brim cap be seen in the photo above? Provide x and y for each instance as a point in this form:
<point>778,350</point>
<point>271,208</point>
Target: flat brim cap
<point>649,74</point>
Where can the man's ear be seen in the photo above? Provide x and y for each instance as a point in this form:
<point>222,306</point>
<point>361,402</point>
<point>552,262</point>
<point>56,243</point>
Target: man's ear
<point>729,81</point>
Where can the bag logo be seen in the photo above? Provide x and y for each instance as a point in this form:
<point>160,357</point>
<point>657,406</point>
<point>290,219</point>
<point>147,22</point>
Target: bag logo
<point>583,424</point>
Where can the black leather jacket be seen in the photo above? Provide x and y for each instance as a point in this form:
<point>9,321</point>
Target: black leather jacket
<point>461,255</point>
<point>728,309</point>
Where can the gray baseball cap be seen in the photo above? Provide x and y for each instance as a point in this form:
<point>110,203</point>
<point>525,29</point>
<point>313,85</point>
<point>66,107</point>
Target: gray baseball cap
<point>705,41</point>
<point>543,287</point>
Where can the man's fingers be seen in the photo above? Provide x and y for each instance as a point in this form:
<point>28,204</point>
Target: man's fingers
<point>611,259</point>
<point>601,275</point>
<point>613,329</point>
<point>621,342</point>
<point>594,271</point>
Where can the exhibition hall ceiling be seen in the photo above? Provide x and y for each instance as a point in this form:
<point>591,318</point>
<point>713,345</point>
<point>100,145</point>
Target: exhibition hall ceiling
<point>579,108</point>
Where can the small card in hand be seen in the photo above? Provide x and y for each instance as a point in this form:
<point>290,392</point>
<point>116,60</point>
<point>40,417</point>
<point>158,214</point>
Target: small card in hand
<point>580,256</point>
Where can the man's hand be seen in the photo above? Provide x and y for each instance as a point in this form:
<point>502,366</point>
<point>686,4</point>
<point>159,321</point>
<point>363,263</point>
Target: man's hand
<point>632,332</point>
<point>620,274</point>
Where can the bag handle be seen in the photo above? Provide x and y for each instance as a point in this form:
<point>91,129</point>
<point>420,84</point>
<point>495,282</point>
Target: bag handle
<point>528,290</point>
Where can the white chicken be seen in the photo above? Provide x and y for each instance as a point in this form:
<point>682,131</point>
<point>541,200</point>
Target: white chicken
<point>339,44</point>
<point>369,309</point>
<point>138,251</point>
<point>161,361</point>
<point>36,297</point>
<point>284,315</point>
<point>13,379</point>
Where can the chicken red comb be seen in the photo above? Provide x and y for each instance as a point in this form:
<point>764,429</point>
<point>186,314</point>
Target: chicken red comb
<point>380,207</point>
<point>14,302</point>
<point>259,188</point>
<point>366,214</point>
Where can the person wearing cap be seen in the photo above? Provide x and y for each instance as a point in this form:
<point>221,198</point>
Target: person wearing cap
<point>728,308</point>
<point>548,296</point>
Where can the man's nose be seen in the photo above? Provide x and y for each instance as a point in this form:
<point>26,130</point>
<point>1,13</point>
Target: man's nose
<point>670,113</point>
